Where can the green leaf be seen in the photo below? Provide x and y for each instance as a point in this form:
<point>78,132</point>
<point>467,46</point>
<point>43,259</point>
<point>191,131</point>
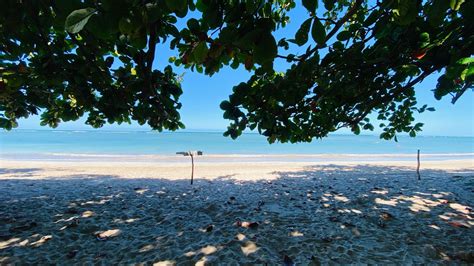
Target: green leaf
<point>465,60</point>
<point>310,5</point>
<point>301,36</point>
<point>343,35</point>
<point>200,52</point>
<point>76,21</point>
<point>318,32</point>
<point>266,49</point>
<point>405,12</point>
<point>456,4</point>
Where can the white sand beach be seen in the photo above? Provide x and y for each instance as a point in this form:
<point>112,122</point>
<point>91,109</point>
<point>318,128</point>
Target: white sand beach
<point>253,212</point>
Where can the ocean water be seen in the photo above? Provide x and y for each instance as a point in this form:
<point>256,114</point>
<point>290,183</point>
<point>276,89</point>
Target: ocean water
<point>25,143</point>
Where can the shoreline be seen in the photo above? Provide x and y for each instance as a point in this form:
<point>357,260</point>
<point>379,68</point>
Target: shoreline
<point>210,168</point>
<point>236,158</point>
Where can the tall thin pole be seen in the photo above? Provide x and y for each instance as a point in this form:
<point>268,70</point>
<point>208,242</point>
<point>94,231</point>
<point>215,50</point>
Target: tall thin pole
<point>418,167</point>
<point>192,168</point>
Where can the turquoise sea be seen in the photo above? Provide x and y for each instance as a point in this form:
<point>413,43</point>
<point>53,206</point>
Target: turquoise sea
<point>26,143</point>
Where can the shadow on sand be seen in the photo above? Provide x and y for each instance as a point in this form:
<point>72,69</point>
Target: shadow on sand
<point>324,214</point>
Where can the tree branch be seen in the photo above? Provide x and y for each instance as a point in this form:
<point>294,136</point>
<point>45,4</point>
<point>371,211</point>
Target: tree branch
<point>395,92</point>
<point>461,92</point>
<point>336,28</point>
<point>151,48</point>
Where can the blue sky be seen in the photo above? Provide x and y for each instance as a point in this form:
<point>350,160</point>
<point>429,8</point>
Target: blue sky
<point>202,96</point>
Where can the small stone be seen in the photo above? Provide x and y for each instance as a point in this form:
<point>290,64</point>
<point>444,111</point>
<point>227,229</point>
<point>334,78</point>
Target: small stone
<point>209,228</point>
<point>386,216</point>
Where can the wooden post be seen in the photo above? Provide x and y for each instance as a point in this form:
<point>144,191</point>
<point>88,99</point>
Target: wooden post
<point>192,168</point>
<point>418,167</point>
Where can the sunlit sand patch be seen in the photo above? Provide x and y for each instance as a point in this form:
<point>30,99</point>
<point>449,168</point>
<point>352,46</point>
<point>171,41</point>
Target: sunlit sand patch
<point>390,202</point>
<point>249,248</point>
<point>92,202</point>
<point>41,241</point>
<point>9,242</point>
<point>110,233</point>
<point>146,248</point>
<point>434,226</point>
<point>240,236</point>
<point>141,191</point>
<point>23,243</point>
<point>207,250</point>
<point>87,214</point>
<point>189,253</point>
<point>129,220</point>
<point>296,234</point>
<point>356,211</point>
<point>201,262</point>
<point>418,207</point>
<point>165,263</point>
<point>459,207</point>
<point>341,198</point>
<point>422,193</point>
<point>344,211</point>
<point>381,192</point>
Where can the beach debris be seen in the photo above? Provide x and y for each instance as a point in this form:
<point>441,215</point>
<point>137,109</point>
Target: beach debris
<point>386,216</point>
<point>348,224</point>
<point>252,225</point>
<point>191,154</point>
<point>287,261</point>
<point>209,228</point>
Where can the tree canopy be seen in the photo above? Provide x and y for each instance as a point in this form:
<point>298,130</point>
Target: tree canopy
<point>94,58</point>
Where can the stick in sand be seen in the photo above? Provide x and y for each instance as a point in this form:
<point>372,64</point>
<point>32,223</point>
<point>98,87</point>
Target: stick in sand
<point>191,153</point>
<point>418,167</point>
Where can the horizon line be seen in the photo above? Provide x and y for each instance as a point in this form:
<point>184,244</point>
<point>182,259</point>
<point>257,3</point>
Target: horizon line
<point>206,131</point>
